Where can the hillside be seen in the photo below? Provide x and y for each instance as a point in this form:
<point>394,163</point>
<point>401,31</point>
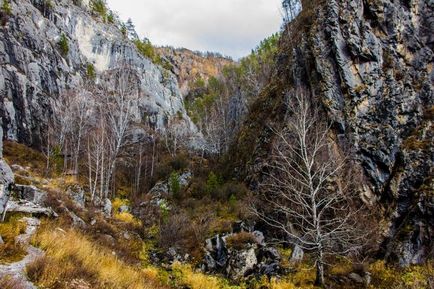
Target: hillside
<point>190,66</point>
<point>374,82</point>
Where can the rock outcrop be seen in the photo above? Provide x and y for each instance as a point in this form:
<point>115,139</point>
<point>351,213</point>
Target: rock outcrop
<point>35,70</point>
<point>189,66</point>
<point>245,258</point>
<point>6,180</point>
<point>17,270</point>
<point>369,65</point>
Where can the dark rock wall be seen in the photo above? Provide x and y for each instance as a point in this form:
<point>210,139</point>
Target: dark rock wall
<point>370,66</point>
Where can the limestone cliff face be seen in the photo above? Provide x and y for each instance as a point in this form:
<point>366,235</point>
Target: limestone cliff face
<point>370,65</point>
<point>188,66</point>
<point>33,72</point>
<point>6,180</point>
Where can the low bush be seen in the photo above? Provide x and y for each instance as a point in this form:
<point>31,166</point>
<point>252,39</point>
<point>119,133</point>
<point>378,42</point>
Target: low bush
<point>99,8</point>
<point>174,185</point>
<point>90,72</point>
<point>227,190</point>
<point>180,231</point>
<point>63,45</point>
<point>240,240</point>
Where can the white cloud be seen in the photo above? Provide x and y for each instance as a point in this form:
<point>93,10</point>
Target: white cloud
<point>232,27</point>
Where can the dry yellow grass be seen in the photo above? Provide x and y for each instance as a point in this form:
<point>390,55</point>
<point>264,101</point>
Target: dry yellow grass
<point>10,251</point>
<point>186,276</point>
<point>71,256</point>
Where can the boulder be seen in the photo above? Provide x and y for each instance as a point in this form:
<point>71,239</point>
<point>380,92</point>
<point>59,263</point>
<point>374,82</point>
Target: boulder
<point>27,207</point>
<point>126,236</point>
<point>31,194</point>
<point>6,181</point>
<point>124,209</point>
<point>217,251</point>
<point>172,255</point>
<point>356,278</point>
<point>17,168</point>
<point>297,254</point>
<point>268,261</point>
<point>241,263</point>
<point>184,178</point>
<point>161,189</point>
<point>256,258</point>
<point>76,220</point>
<point>259,237</point>
<point>241,226</point>
<point>77,195</point>
<point>268,255</point>
<point>107,207</point>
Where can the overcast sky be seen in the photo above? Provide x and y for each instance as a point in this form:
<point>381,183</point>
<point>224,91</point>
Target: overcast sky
<point>231,27</point>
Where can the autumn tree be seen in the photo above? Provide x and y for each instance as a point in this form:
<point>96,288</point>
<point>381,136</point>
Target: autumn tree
<point>307,188</point>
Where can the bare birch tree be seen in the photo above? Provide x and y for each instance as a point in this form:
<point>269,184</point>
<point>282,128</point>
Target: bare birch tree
<point>309,197</point>
<point>176,135</point>
<point>117,111</point>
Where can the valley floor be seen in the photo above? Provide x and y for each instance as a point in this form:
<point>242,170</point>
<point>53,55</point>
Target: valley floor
<point>82,248</point>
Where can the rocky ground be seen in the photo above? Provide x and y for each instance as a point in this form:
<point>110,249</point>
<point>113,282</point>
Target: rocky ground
<point>16,271</point>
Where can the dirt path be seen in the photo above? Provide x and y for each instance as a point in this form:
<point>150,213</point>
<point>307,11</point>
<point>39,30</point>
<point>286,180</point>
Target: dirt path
<point>17,270</point>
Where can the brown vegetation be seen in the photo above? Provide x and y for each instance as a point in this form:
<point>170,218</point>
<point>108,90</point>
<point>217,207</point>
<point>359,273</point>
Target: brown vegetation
<point>71,256</point>
<point>240,240</point>
<point>11,251</point>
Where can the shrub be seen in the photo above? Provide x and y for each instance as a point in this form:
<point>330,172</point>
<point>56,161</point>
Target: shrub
<point>6,7</point>
<point>111,17</point>
<point>146,49</point>
<point>90,71</point>
<point>197,188</point>
<point>125,217</point>
<point>212,184</point>
<point>180,232</point>
<point>179,162</point>
<point>174,185</point>
<point>63,45</point>
<point>99,7</point>
<point>168,165</point>
<point>227,190</point>
<point>123,30</point>
<point>233,202</point>
<point>240,240</point>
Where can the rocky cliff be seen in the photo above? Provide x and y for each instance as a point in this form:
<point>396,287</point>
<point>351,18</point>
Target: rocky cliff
<point>189,66</point>
<point>34,70</point>
<point>369,65</point>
